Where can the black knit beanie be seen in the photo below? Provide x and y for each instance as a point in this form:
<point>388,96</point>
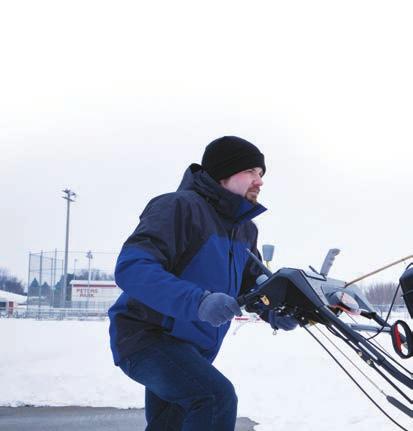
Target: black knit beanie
<point>228,155</point>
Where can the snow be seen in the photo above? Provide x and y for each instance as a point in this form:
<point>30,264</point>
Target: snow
<point>283,382</point>
<point>9,296</point>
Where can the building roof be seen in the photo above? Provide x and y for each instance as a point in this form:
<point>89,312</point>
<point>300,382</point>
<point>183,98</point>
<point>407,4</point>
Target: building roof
<point>9,296</point>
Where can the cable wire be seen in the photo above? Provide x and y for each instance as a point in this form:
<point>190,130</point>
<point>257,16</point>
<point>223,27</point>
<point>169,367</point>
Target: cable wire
<point>382,350</point>
<point>354,380</point>
<point>388,315</point>
<point>351,361</point>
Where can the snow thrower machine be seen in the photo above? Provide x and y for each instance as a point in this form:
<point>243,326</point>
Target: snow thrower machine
<point>318,302</point>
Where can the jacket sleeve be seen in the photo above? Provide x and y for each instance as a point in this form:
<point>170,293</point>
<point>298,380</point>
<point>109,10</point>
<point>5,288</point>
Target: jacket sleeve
<point>144,269</point>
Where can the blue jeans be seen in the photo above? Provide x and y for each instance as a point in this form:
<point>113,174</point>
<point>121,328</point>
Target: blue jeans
<point>183,390</point>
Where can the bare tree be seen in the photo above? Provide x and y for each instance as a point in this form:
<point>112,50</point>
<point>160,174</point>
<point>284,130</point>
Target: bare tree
<point>383,293</point>
<point>95,274</point>
<point>10,283</point>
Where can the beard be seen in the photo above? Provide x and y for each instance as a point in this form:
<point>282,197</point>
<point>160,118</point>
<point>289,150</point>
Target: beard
<point>252,196</point>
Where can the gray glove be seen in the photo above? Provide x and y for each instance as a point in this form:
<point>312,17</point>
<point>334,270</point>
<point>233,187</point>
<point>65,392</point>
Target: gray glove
<point>279,321</point>
<point>217,308</point>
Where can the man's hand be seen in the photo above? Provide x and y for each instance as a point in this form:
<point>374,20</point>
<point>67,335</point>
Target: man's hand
<point>279,321</point>
<point>217,308</point>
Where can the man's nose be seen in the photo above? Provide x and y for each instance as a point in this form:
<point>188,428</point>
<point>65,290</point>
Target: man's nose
<point>258,181</point>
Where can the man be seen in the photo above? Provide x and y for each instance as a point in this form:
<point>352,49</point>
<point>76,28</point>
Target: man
<point>181,271</point>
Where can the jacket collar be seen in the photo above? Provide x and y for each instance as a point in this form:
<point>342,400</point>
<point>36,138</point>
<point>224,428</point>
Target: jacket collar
<point>228,204</point>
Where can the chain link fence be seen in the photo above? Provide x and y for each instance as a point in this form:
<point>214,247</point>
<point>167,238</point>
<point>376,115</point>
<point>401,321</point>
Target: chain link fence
<point>89,292</point>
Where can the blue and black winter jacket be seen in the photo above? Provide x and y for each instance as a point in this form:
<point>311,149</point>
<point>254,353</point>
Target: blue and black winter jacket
<point>187,242</point>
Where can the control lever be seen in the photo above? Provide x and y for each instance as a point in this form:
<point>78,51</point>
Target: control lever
<point>328,261</point>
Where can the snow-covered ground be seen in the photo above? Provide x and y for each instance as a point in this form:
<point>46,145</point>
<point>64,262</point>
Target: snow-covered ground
<point>284,382</point>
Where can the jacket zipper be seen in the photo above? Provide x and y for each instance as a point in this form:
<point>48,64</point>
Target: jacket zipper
<point>231,264</point>
<point>232,261</point>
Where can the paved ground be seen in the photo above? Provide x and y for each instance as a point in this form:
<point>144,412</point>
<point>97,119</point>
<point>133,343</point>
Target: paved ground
<point>81,419</point>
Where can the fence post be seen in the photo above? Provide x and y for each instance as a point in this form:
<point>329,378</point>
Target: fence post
<point>40,283</point>
<point>28,285</point>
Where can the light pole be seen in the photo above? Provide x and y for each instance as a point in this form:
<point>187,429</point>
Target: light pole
<point>69,196</point>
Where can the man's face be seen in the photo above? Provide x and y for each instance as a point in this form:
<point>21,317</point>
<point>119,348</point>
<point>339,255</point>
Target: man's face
<point>245,183</point>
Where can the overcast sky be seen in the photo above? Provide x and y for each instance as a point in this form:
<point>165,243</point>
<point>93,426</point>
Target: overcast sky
<point>115,99</point>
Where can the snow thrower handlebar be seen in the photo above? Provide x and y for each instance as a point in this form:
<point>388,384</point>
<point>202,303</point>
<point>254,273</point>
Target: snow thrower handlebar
<point>312,297</point>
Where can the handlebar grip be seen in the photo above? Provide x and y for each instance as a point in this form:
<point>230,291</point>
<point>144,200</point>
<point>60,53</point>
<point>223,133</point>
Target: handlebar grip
<point>245,299</point>
<point>241,301</point>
